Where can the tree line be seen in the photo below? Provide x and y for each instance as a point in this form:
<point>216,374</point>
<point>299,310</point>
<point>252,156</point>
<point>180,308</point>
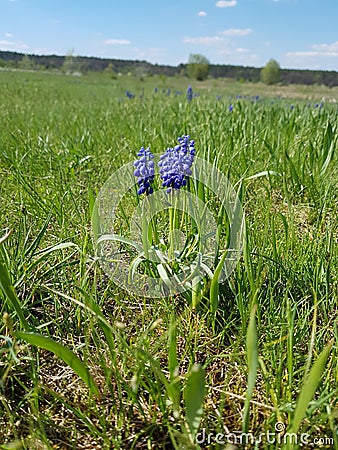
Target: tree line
<point>83,64</point>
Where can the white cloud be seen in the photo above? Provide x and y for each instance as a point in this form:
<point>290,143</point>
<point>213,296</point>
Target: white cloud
<point>204,40</point>
<point>240,56</point>
<point>318,56</point>
<point>237,32</point>
<point>117,42</point>
<point>222,47</point>
<point>12,45</point>
<point>152,54</point>
<point>8,35</point>
<point>326,47</point>
<point>226,4</point>
<point>221,38</point>
<point>202,14</point>
<point>301,54</point>
<point>318,50</point>
<point>241,50</point>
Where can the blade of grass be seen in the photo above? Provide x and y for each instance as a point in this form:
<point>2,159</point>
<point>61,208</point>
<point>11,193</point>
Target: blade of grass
<point>214,286</point>
<point>252,358</point>
<point>194,394</point>
<point>62,352</point>
<point>8,289</point>
<point>174,391</point>
<point>309,387</point>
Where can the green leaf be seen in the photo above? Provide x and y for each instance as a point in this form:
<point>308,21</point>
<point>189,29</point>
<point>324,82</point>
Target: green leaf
<point>96,229</point>
<point>8,289</point>
<point>328,150</point>
<point>174,391</point>
<point>36,242</point>
<point>117,238</point>
<point>309,388</point>
<point>265,173</point>
<point>252,358</point>
<point>62,352</point>
<point>214,286</point>
<point>6,236</point>
<point>294,174</point>
<point>172,356</point>
<point>45,252</point>
<point>194,394</point>
<point>14,445</point>
<point>165,277</point>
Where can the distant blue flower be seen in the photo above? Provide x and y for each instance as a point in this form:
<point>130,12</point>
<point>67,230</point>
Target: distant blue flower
<point>130,94</point>
<point>316,105</point>
<point>189,93</point>
<point>155,90</point>
<point>231,108</point>
<point>168,91</point>
<point>218,97</point>
<point>144,171</point>
<point>175,164</point>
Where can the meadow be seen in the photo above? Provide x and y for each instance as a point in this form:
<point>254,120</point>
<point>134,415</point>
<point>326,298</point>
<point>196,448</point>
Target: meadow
<point>85,364</point>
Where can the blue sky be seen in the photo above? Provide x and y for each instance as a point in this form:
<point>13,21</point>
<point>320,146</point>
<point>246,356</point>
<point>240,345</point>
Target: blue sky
<point>297,33</point>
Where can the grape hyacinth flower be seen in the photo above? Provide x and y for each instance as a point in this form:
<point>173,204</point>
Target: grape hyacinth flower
<point>189,93</point>
<point>130,94</point>
<point>144,170</point>
<point>175,164</point>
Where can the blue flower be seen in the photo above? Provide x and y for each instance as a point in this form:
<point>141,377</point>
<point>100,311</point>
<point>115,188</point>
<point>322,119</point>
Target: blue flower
<point>231,108</point>
<point>175,164</point>
<point>130,94</point>
<point>144,171</point>
<point>189,93</point>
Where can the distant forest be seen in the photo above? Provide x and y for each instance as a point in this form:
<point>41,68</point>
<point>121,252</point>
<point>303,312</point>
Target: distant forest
<point>85,64</point>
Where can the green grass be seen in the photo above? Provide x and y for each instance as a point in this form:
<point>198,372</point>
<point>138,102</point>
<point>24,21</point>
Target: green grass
<point>61,138</point>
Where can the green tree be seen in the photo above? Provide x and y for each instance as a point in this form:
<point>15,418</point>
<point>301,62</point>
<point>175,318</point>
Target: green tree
<point>110,71</point>
<point>270,74</point>
<point>198,67</point>
<point>26,63</point>
<point>71,64</point>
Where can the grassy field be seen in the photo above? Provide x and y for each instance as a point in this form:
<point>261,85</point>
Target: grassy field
<point>266,363</point>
